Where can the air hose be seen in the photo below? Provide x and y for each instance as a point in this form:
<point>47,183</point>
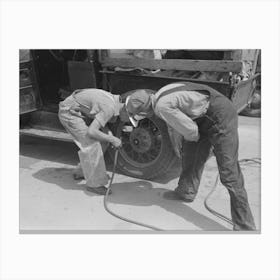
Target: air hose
<point>212,211</point>
<point>105,201</point>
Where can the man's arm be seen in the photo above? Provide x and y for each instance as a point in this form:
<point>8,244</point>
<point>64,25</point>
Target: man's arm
<point>95,133</point>
<point>180,122</point>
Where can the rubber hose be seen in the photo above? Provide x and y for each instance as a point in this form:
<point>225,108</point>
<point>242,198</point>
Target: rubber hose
<point>105,201</point>
<point>211,210</point>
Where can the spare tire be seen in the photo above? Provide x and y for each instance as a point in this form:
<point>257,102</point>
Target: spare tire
<point>254,108</point>
<point>146,151</point>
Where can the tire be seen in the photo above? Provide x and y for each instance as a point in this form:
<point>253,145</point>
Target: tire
<point>249,112</point>
<point>146,152</point>
<point>254,109</point>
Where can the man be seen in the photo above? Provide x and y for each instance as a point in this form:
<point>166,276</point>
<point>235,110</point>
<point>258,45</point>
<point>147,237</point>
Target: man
<point>102,107</point>
<point>205,118</point>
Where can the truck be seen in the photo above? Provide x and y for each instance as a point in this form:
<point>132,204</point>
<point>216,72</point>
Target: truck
<point>49,76</point>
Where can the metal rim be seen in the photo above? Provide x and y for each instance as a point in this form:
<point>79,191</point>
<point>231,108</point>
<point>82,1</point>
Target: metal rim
<point>142,146</point>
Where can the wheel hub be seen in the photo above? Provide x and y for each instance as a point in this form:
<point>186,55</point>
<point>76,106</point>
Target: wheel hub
<point>141,145</point>
<point>140,140</point>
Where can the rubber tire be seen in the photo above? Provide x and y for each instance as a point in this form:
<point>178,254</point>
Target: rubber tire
<point>254,110</point>
<point>248,112</point>
<point>164,161</point>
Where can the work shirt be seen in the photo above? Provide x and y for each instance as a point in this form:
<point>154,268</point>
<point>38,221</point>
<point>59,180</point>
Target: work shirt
<point>179,107</point>
<point>97,104</point>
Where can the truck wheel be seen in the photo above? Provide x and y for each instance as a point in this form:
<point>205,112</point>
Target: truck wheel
<point>254,110</point>
<point>146,151</point>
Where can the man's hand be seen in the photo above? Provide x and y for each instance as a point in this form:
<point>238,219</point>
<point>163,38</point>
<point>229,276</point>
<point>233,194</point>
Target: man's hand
<point>116,142</point>
<point>102,136</point>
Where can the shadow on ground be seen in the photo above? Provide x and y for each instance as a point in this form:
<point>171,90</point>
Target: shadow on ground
<point>139,193</point>
<point>61,177</point>
<point>67,153</point>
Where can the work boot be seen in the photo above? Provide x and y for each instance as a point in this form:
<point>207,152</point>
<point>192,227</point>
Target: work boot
<point>183,195</point>
<point>99,190</point>
<point>244,227</point>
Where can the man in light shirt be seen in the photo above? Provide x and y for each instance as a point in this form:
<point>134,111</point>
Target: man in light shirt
<point>204,118</point>
<point>93,139</point>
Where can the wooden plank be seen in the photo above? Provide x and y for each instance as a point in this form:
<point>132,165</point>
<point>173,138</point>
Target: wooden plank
<point>175,64</point>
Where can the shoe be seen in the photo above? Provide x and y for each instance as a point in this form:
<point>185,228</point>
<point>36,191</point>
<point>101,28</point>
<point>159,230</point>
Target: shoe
<point>99,190</point>
<point>78,173</point>
<point>78,176</point>
<point>244,228</point>
<point>183,195</point>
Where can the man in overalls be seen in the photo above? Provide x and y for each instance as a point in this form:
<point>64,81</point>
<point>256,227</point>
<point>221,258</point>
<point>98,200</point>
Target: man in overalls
<point>102,107</point>
<point>205,118</point>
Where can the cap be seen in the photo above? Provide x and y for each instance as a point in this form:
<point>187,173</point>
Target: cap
<point>138,105</point>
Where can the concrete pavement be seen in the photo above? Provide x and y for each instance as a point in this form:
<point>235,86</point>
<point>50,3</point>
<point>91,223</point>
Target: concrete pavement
<point>50,199</point>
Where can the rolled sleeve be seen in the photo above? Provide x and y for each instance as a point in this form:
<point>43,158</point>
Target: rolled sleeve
<point>180,122</point>
<point>104,116</point>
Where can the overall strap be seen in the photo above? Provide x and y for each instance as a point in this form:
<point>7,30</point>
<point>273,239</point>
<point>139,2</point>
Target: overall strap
<point>181,88</point>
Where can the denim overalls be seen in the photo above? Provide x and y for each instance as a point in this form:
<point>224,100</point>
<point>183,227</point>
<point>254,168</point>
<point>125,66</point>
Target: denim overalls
<point>218,129</point>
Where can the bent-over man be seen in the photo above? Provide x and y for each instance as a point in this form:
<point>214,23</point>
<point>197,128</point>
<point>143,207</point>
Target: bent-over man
<point>102,107</point>
<point>205,118</point>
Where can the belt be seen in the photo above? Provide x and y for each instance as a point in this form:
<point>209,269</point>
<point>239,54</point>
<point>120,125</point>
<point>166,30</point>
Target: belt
<point>65,106</point>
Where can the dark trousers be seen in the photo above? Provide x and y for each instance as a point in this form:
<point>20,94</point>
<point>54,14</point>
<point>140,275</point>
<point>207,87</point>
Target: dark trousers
<point>218,129</point>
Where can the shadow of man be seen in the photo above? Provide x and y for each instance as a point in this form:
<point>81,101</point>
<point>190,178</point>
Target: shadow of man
<point>138,193</point>
<point>62,177</point>
<point>142,193</point>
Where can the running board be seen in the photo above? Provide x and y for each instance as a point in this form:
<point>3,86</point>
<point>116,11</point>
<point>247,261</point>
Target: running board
<point>46,133</point>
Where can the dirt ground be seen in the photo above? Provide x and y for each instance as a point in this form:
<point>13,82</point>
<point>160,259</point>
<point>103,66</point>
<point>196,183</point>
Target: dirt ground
<point>51,200</point>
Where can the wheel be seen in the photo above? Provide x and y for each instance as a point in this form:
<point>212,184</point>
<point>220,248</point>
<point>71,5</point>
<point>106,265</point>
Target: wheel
<point>146,151</point>
<point>254,109</point>
<point>249,112</point>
